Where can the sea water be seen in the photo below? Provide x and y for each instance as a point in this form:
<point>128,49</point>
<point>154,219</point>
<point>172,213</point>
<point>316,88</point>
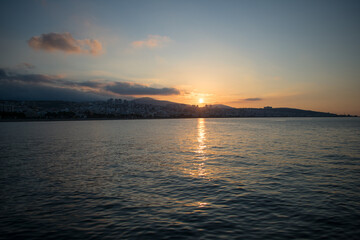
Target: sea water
<point>239,178</point>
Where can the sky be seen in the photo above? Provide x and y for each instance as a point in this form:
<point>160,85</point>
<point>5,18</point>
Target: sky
<point>280,53</point>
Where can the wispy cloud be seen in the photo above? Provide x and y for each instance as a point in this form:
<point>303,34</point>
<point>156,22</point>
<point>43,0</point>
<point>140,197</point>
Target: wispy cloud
<point>252,99</point>
<point>125,88</point>
<point>246,100</point>
<point>66,43</point>
<point>14,85</point>
<point>152,41</point>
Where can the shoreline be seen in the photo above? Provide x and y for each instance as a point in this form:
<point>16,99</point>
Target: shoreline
<point>107,119</point>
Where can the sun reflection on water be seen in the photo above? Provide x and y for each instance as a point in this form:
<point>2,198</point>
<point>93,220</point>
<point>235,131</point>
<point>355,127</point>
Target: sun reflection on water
<point>201,136</point>
<point>200,151</point>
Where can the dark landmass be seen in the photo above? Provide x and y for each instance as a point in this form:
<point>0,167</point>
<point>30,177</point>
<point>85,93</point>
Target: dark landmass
<point>141,108</point>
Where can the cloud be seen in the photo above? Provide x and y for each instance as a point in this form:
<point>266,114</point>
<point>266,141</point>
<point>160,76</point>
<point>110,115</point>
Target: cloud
<point>19,86</point>
<point>125,88</point>
<point>252,99</point>
<point>243,100</point>
<point>16,91</point>
<point>152,41</point>
<point>66,43</point>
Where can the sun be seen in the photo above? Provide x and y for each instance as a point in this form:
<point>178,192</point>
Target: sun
<point>201,100</point>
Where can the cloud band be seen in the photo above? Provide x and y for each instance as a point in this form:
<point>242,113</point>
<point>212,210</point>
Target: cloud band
<point>10,81</point>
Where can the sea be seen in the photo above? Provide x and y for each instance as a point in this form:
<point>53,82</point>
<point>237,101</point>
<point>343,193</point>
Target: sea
<point>199,178</point>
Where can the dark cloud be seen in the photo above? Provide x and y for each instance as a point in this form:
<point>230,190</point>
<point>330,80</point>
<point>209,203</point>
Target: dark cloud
<point>252,99</point>
<point>125,88</point>
<point>17,86</point>
<point>15,91</point>
<point>66,43</point>
<point>3,74</point>
<point>8,75</point>
<point>91,84</point>
<point>244,100</point>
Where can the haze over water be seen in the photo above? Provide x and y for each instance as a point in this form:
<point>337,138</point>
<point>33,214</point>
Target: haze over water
<point>278,178</point>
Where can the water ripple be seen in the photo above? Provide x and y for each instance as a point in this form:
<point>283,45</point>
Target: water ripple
<point>181,179</point>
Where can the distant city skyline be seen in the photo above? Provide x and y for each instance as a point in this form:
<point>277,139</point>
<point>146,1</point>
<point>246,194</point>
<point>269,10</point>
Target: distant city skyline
<point>298,54</point>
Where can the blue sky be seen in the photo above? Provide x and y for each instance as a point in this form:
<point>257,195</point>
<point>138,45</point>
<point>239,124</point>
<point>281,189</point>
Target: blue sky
<point>302,54</point>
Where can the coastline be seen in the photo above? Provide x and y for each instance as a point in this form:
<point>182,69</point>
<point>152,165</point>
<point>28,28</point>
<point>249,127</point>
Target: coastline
<point>159,118</point>
<point>20,111</point>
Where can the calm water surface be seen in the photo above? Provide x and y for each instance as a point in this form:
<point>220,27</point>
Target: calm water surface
<point>271,178</point>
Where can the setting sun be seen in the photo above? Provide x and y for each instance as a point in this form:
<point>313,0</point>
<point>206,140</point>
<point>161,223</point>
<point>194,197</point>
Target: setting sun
<point>172,119</point>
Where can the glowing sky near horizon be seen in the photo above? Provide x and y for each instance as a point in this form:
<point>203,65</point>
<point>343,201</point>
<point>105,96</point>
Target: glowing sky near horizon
<point>301,54</point>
